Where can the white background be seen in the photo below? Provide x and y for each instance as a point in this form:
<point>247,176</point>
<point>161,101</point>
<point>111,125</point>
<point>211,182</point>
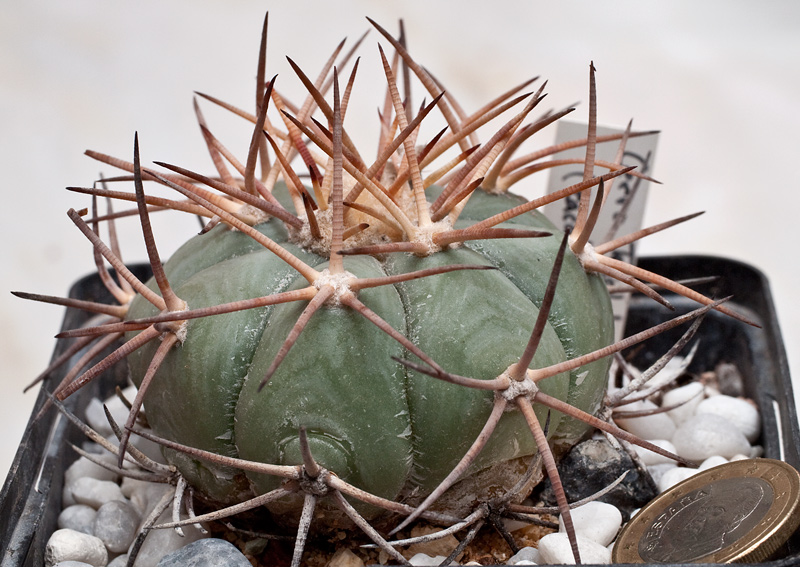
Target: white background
<point>719,78</point>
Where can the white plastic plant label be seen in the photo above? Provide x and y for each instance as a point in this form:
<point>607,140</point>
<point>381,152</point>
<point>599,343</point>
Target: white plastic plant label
<point>625,204</point>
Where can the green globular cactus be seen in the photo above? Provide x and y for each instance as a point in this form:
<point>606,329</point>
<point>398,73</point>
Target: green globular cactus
<point>376,423</point>
<point>403,335</point>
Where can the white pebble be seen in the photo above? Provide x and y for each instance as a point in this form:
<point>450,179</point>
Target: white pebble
<point>94,492</point>
<point>687,398</point>
<point>657,471</point>
<point>525,556</point>
<point>674,476</point>
<point>78,517</point>
<point>706,435</point>
<point>159,543</point>
<point>96,418</point>
<point>555,549</point>
<point>67,499</point>
<point>711,462</point>
<point>422,560</point>
<point>595,521</point>
<point>650,458</point>
<point>69,545</point>
<point>741,413</point>
<point>656,426</point>
<point>83,467</point>
<point>145,495</point>
<point>129,486</point>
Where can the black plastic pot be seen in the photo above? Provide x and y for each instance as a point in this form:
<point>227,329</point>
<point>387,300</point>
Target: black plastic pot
<point>31,497</point>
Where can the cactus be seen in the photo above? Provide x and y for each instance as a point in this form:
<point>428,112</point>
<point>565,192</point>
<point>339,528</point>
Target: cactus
<point>371,332</point>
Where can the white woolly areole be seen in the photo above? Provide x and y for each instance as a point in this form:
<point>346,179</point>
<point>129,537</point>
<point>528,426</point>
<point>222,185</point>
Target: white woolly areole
<point>181,332</point>
<point>322,245</point>
<point>339,282</point>
<point>250,215</point>
<point>303,237</point>
<point>587,254</point>
<point>255,214</point>
<point>177,328</point>
<point>517,388</point>
<point>424,235</point>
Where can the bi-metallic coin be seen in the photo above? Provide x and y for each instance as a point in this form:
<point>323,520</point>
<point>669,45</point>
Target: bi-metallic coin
<point>741,511</point>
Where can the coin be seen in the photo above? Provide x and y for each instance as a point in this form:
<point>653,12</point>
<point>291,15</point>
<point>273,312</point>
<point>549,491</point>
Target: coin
<point>741,511</point>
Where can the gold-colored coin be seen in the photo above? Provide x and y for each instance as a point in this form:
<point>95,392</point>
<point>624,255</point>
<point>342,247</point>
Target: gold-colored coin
<point>737,512</point>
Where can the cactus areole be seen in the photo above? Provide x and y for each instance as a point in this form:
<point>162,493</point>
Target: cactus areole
<point>374,422</point>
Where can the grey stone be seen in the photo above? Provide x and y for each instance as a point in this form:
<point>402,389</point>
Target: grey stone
<point>78,517</point>
<point>73,564</point>
<point>69,545</point>
<point>594,464</point>
<point>730,381</point>
<point>118,561</point>
<point>117,524</point>
<point>210,552</point>
<point>149,448</point>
